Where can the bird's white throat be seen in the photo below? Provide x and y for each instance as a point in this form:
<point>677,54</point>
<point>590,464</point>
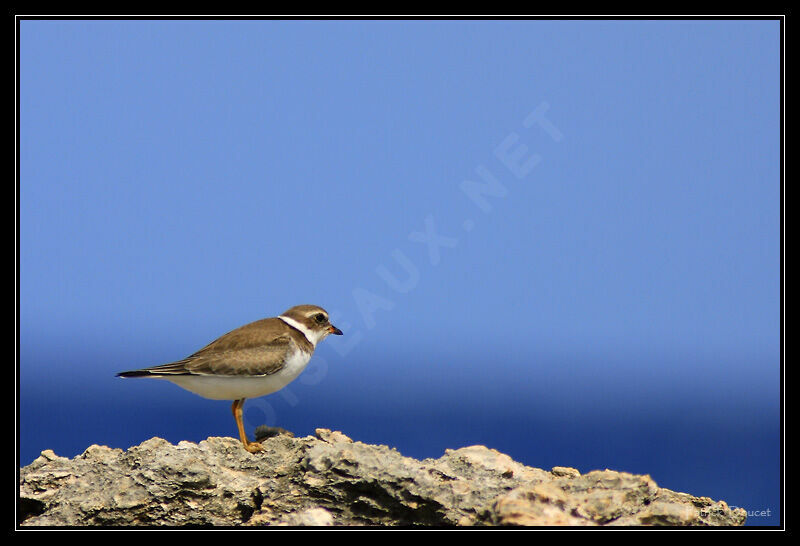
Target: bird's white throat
<point>313,336</point>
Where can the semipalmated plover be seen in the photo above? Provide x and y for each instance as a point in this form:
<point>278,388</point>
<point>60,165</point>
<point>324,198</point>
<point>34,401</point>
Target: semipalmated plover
<point>254,360</point>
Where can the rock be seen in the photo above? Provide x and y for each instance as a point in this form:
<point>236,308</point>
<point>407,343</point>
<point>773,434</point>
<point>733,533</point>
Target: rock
<point>565,471</point>
<point>541,504</point>
<point>329,479</point>
<point>331,437</point>
<point>313,517</point>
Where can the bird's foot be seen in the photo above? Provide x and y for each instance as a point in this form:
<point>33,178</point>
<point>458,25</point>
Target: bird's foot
<point>253,447</point>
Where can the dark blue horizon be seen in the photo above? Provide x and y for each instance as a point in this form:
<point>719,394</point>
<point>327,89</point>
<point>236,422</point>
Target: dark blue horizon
<point>723,443</point>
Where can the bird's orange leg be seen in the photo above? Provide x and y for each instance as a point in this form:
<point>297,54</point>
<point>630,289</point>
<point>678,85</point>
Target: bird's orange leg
<point>236,408</point>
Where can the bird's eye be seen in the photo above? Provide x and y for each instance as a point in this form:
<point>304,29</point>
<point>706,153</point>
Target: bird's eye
<point>320,318</point>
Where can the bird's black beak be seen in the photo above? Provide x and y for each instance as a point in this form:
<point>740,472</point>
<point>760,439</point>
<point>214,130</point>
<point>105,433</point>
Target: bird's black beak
<point>334,330</point>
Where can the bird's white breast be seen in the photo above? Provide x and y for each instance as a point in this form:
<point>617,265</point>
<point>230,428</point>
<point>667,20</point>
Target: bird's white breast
<point>235,387</point>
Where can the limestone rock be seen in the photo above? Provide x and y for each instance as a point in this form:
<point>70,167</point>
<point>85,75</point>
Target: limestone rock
<point>329,479</point>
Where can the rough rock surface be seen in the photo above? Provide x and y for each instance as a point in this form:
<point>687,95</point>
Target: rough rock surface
<point>328,479</point>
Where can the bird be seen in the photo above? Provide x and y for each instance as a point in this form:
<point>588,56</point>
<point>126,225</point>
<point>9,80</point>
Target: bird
<point>253,360</point>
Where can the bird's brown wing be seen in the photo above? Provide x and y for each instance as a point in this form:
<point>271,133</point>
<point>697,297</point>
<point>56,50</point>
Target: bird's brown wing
<point>258,348</point>
<point>256,334</point>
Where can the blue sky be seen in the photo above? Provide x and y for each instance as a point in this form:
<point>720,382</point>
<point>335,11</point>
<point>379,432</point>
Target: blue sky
<point>568,228</point>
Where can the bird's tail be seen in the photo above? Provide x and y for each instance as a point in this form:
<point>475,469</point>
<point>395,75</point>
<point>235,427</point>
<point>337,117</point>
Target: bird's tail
<point>134,373</point>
